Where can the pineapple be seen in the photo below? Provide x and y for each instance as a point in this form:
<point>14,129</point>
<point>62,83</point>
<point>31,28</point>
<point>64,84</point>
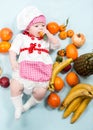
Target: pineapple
<point>83,65</point>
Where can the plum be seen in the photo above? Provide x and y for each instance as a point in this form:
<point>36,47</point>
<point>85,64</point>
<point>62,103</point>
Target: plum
<point>4,82</point>
<point>67,68</point>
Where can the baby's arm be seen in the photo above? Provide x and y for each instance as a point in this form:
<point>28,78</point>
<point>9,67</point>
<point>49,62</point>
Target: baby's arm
<point>52,39</point>
<point>14,63</point>
<point>15,50</point>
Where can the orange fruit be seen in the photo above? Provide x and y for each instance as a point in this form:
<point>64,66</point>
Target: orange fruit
<point>41,34</point>
<point>0,33</point>
<point>4,46</point>
<point>62,27</point>
<point>53,100</point>
<point>58,83</point>
<point>63,35</point>
<point>6,34</point>
<point>53,27</point>
<point>72,79</point>
<point>71,51</point>
<point>70,33</point>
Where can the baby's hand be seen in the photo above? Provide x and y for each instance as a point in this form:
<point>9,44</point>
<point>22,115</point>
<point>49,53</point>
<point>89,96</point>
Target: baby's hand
<point>46,31</point>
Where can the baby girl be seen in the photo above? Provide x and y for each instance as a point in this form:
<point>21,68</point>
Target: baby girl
<point>30,59</point>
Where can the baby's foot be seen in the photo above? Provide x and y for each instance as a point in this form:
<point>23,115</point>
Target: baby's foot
<point>18,114</point>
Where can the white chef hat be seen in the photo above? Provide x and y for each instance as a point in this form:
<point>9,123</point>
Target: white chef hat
<point>27,15</point>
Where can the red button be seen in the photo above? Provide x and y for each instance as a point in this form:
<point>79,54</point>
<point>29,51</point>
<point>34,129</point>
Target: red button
<point>32,38</point>
<point>39,45</point>
<point>39,52</point>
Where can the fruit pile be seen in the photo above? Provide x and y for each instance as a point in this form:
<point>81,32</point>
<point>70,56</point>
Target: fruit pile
<point>69,62</point>
<point>54,28</point>
<point>5,35</point>
<point>77,99</point>
<point>77,39</point>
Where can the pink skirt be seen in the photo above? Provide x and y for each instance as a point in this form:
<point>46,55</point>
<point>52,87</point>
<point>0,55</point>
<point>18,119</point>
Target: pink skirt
<point>35,71</point>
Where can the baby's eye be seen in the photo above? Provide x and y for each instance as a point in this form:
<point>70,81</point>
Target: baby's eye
<point>36,26</point>
<point>43,25</point>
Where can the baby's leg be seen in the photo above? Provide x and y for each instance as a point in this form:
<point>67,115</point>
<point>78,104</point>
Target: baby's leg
<point>37,95</point>
<point>16,93</point>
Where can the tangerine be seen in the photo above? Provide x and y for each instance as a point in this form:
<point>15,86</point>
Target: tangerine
<point>6,34</point>
<point>4,46</point>
<point>70,33</point>
<point>58,83</point>
<point>53,100</point>
<point>63,35</point>
<point>72,79</point>
<point>62,27</point>
<point>53,27</point>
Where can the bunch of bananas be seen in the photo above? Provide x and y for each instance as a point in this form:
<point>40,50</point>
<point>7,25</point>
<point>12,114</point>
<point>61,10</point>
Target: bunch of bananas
<point>77,101</point>
<point>59,67</point>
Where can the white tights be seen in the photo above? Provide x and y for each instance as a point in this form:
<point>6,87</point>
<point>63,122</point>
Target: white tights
<point>19,107</point>
<point>31,102</point>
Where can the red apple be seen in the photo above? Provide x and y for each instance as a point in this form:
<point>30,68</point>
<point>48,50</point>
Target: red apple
<point>4,82</point>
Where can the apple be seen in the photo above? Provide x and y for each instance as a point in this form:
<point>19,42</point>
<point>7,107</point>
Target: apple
<point>4,82</point>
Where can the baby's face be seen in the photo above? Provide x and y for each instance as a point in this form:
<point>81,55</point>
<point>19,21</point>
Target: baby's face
<point>36,28</point>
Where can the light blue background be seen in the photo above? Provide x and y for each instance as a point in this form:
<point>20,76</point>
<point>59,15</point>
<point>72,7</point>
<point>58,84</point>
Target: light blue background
<point>80,13</point>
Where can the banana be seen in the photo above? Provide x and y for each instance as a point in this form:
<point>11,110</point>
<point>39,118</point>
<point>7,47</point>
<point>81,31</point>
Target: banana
<point>82,86</point>
<point>55,65</point>
<point>72,106</point>
<point>70,97</point>
<point>62,107</point>
<point>56,70</point>
<point>75,108</point>
<point>80,110</point>
<point>85,86</point>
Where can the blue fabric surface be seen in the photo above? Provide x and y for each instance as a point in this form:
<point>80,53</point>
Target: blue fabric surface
<point>80,13</point>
